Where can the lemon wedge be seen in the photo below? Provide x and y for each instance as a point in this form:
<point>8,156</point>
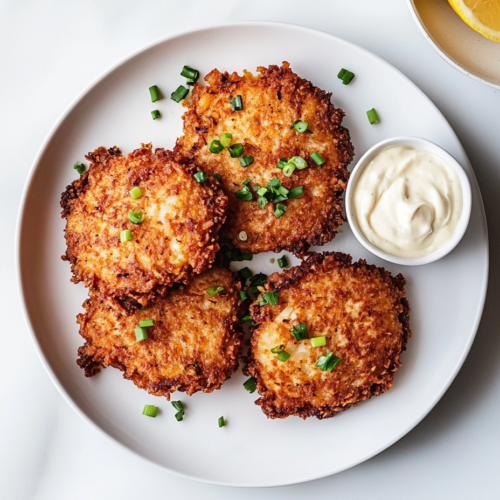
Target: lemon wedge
<point>481,15</point>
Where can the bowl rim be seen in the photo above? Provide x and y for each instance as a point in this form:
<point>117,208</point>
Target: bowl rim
<point>419,143</point>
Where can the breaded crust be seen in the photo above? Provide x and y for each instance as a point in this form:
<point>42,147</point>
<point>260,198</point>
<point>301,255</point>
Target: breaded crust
<point>364,315</point>
<point>272,101</point>
<point>193,346</point>
<point>177,238</point>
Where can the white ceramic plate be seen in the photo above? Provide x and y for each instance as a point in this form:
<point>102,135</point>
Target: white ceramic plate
<point>446,297</point>
<point>458,44</point>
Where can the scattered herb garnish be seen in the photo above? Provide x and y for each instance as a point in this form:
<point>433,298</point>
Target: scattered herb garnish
<point>299,331</point>
<point>214,290</point>
<point>328,362</point>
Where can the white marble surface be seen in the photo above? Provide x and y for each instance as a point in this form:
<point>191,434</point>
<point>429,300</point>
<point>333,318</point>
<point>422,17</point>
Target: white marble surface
<point>50,50</point>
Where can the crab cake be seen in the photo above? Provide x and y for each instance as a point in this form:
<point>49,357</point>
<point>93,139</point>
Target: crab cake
<point>192,346</point>
<point>176,238</point>
<point>357,316</point>
<point>272,102</point>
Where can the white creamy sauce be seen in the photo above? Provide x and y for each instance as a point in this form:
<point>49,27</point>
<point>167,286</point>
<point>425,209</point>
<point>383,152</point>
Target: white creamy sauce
<point>408,201</point>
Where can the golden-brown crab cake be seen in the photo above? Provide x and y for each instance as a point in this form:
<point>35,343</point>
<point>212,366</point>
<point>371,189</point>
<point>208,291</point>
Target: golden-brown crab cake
<point>108,246</point>
<point>272,102</point>
<point>193,345</point>
<point>356,315</point>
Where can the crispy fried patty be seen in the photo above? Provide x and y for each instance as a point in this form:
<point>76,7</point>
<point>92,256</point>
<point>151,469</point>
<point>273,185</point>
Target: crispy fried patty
<point>364,315</point>
<point>178,236</point>
<point>193,345</point>
<point>272,102</point>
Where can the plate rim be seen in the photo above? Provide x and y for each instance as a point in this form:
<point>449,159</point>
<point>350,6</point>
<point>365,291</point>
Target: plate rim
<point>21,214</point>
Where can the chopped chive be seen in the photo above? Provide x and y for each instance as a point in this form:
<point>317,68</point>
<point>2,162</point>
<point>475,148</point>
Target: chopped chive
<point>155,114</point>
<point>296,192</point>
<point>318,341</point>
<point>272,261</point>
<point>372,116</point>
<point>238,255</point>
<point>79,167</point>
<point>258,280</point>
<point>245,273</point>
<point>179,416</point>
<point>136,192</point>
<point>145,323</point>
<point>150,411</point>
<point>244,194</point>
<point>155,93</point>
<point>246,256</point>
<point>201,176</point>
<point>125,235</point>
<point>214,290</point>
<point>222,422</point>
<point>283,261</point>
<point>217,176</point>
<point>272,298</point>
<point>289,168</point>
<point>190,81</point>
<point>283,356</point>
<point>250,385</point>
<point>281,164</point>
<point>299,126</point>
<point>237,103</point>
<point>236,150</point>
<point>136,216</point>
<point>243,236</point>
<point>278,349</point>
<point>316,157</point>
<point>280,210</point>
<point>262,202</point>
<point>346,76</point>
<point>180,93</point>
<point>141,334</point>
<point>299,331</point>
<point>190,73</point>
<point>262,191</point>
<point>299,162</point>
<point>246,160</point>
<point>246,318</point>
<point>328,362</point>
<point>142,308</point>
<point>215,147</point>
<point>178,405</point>
<point>243,295</point>
<point>246,182</point>
<point>226,139</point>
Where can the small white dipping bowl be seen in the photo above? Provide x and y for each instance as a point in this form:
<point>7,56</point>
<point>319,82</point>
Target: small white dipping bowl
<point>418,143</point>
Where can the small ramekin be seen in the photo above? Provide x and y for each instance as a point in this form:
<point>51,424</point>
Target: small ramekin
<point>426,145</point>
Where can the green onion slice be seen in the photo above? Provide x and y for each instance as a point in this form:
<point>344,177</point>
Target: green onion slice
<point>372,116</point>
<point>246,160</point>
<point>278,348</point>
<point>215,147</point>
<point>226,139</point>
<point>246,318</point>
<point>190,73</point>
<point>250,385</point>
<point>283,261</point>
<point>262,191</point>
<point>150,411</point>
<point>217,176</point>
<point>244,194</point>
<point>262,202</point>
<point>136,216</point>
<point>281,164</point>
<point>299,331</point>
<point>214,290</point>
<point>246,182</point>
<point>155,114</point>
<point>79,167</point>
<point>237,103</point>
<point>201,176</point>
<point>296,192</point>
<point>222,422</point>
<point>236,150</point>
<point>180,93</point>
<point>155,93</point>
<point>299,162</point>
<point>289,168</point>
<point>283,356</point>
<point>178,405</point>
<point>125,235</point>
<point>245,274</point>
<point>280,210</point>
<point>190,81</point>
<point>317,158</point>
<point>136,192</point>
<point>328,362</point>
<point>318,341</point>
<point>141,334</point>
<point>235,254</point>
<point>259,279</point>
<point>179,416</point>
<point>346,76</point>
<point>299,126</point>
<point>272,298</point>
<point>145,323</point>
<point>243,295</point>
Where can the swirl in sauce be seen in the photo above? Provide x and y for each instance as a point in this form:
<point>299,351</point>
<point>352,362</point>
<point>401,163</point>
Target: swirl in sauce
<point>408,201</point>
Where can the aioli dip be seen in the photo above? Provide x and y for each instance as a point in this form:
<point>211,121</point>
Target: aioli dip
<point>407,201</point>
